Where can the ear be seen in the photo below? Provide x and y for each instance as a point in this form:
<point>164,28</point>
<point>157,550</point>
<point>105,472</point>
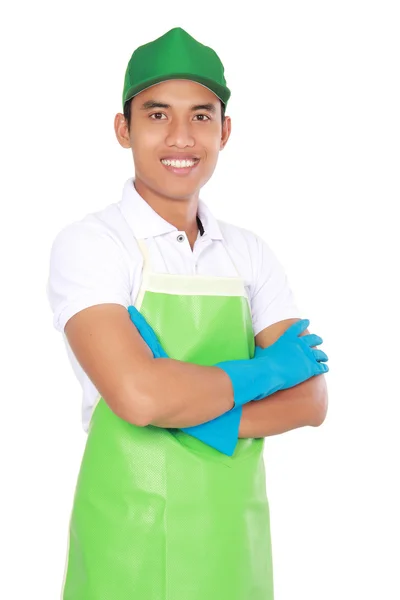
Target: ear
<point>226,132</point>
<point>121,130</point>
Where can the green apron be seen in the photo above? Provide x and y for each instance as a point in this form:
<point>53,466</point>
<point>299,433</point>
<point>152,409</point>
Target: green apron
<point>158,514</point>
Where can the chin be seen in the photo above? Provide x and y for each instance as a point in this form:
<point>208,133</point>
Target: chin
<point>180,186</point>
<point>180,192</point>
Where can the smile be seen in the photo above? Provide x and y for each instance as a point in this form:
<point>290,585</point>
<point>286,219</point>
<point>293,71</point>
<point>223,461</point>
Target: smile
<point>180,167</point>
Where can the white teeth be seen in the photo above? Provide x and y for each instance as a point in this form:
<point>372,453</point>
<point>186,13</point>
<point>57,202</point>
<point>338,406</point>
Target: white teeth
<point>179,163</point>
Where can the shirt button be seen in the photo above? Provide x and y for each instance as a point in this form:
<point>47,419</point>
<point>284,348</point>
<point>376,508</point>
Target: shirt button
<point>181,238</point>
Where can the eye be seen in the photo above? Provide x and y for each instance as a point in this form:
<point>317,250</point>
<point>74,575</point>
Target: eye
<point>162,114</point>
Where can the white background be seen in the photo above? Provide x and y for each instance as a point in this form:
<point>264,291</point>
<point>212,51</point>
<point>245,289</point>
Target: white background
<point>312,166</point>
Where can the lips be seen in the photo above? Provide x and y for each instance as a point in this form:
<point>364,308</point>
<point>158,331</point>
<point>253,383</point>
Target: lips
<point>180,157</point>
<point>180,170</point>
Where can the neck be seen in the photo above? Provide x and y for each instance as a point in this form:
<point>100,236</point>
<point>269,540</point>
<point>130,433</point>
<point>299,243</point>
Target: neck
<point>180,212</point>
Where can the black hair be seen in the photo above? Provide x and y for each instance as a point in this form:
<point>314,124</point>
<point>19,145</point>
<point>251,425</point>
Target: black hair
<point>127,112</point>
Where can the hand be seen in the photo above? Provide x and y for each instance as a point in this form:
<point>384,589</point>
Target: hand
<point>221,433</point>
<point>147,333</point>
<point>284,364</point>
<point>290,342</point>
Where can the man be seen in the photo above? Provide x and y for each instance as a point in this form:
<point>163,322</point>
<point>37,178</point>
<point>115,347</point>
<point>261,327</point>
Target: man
<point>181,389</point>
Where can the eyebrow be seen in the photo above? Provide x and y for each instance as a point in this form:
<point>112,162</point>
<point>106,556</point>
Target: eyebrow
<point>156,104</point>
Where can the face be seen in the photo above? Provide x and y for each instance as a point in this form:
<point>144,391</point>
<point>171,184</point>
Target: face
<point>174,120</point>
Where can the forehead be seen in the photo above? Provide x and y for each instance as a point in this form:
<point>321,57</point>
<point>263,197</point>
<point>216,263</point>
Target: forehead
<point>177,91</point>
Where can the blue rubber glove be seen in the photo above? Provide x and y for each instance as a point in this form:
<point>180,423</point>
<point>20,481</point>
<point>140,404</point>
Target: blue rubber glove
<point>286,363</point>
<point>220,433</point>
<point>147,333</point>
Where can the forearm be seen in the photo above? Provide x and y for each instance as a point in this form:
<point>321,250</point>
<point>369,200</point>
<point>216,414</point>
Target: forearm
<point>183,394</point>
<point>304,404</point>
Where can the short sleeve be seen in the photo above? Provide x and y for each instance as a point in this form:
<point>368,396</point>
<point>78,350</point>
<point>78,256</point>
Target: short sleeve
<point>87,267</point>
<point>272,299</point>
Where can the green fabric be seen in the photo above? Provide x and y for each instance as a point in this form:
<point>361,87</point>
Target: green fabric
<point>187,334</point>
<point>157,514</point>
<point>174,55</point>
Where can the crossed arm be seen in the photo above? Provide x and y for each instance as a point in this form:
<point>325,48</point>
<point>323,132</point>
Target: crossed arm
<point>304,404</point>
<point>169,393</point>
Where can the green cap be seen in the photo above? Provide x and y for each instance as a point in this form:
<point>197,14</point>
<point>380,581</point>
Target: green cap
<point>174,55</point>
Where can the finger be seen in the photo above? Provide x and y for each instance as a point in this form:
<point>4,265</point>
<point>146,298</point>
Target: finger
<point>321,368</point>
<point>297,328</point>
<point>137,317</point>
<point>320,355</point>
<point>312,339</point>
<point>140,322</point>
<point>145,330</point>
<point>160,351</point>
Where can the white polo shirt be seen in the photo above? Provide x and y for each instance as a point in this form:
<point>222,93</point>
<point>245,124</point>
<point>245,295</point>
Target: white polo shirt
<point>97,260</point>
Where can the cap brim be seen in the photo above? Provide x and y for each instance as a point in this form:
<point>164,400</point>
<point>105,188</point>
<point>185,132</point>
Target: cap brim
<point>222,92</point>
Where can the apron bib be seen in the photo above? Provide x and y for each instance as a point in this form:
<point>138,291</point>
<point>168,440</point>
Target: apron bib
<point>158,514</point>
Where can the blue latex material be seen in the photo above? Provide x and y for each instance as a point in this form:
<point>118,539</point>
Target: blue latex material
<point>286,363</point>
<point>147,333</point>
<point>221,433</point>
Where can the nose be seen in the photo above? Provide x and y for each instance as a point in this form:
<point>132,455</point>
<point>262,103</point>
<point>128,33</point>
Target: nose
<point>180,134</point>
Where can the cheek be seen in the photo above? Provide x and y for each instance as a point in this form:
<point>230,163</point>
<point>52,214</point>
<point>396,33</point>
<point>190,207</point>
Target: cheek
<point>148,136</point>
<point>145,144</point>
<point>211,140</point>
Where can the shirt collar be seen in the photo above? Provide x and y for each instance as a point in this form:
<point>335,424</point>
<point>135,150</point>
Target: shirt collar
<point>145,222</point>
